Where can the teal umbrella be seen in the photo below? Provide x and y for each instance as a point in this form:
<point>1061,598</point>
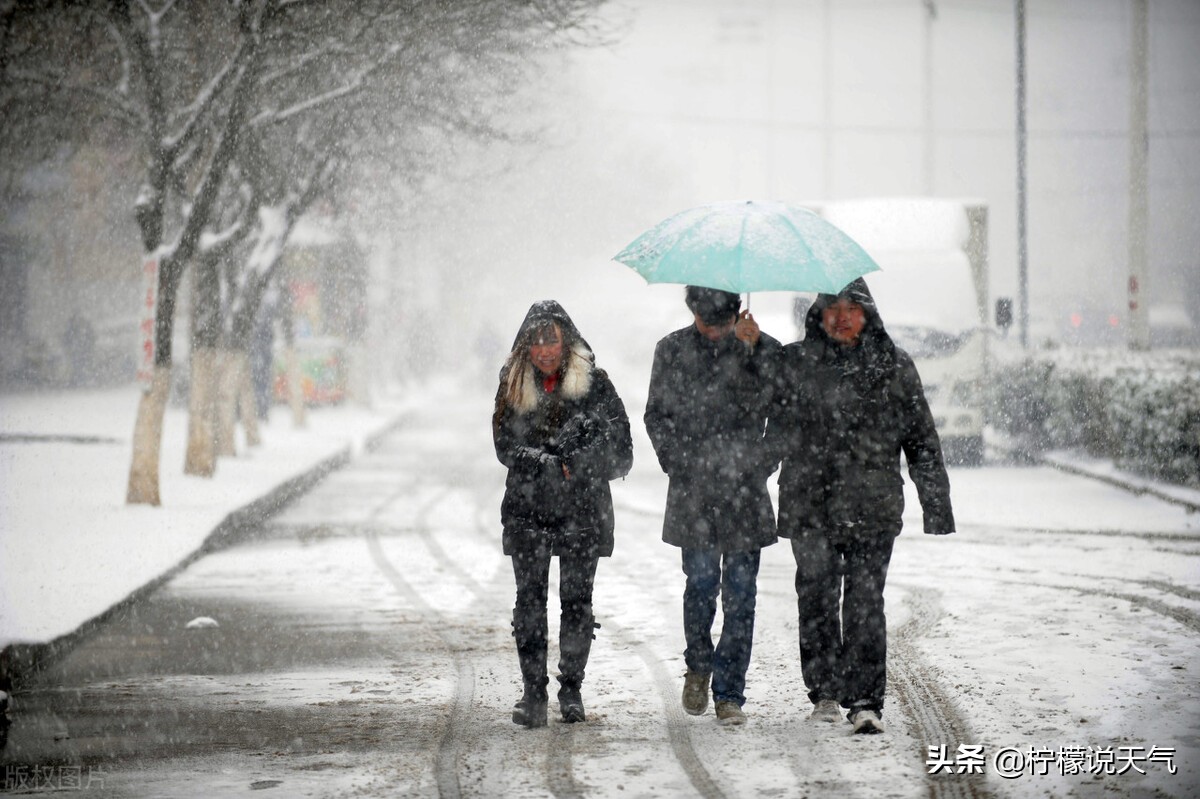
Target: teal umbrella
<point>747,246</point>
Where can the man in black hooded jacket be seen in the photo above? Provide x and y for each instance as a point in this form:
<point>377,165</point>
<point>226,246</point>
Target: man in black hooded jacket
<point>852,403</point>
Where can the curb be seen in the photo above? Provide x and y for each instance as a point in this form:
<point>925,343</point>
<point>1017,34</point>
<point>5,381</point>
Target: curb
<point>18,661</point>
<point>1133,486</point>
<point>1127,485</point>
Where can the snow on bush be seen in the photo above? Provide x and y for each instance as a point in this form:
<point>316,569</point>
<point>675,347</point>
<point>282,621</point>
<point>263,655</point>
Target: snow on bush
<point>1142,409</point>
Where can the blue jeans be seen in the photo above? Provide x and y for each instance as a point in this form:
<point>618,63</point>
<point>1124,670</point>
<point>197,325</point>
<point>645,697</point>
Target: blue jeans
<point>737,583</point>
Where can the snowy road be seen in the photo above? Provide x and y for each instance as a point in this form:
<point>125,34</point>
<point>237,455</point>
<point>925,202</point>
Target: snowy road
<point>364,649</point>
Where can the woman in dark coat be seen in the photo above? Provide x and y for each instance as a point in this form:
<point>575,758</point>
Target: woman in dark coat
<point>853,402</point>
<point>562,431</point>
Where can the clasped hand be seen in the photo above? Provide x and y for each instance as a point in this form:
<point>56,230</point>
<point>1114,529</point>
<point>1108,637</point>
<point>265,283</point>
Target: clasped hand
<point>746,329</point>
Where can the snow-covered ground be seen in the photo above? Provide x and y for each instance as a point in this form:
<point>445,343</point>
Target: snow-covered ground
<point>70,547</point>
<point>1057,627</point>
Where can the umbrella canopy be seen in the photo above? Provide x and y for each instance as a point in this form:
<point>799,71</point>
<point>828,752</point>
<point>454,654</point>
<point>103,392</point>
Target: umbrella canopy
<point>747,246</point>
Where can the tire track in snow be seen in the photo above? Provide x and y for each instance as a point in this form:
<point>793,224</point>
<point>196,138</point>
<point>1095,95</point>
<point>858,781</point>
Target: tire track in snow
<point>1188,618</point>
<point>933,717</point>
<point>1164,586</point>
<point>560,750</point>
<point>678,726</point>
<point>976,539</point>
<point>559,769</point>
<point>445,765</point>
<point>678,730</point>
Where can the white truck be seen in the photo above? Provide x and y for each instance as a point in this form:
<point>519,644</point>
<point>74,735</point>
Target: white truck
<point>932,292</point>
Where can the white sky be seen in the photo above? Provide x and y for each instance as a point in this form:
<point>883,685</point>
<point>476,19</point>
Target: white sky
<point>805,100</point>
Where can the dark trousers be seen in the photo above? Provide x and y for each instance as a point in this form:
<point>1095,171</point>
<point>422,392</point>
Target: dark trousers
<point>576,576</point>
<point>843,652</point>
<point>736,580</point>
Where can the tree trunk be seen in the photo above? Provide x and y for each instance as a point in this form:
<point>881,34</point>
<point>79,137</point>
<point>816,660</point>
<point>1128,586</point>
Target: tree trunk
<point>295,387</point>
<point>228,378</point>
<point>358,374</point>
<point>247,406</point>
<point>147,440</point>
<point>201,459</point>
<point>291,364</point>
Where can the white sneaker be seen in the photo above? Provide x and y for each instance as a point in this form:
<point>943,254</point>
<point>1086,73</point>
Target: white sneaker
<point>827,710</point>
<point>866,722</point>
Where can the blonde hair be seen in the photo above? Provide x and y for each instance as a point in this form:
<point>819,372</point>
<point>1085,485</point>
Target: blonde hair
<point>513,377</point>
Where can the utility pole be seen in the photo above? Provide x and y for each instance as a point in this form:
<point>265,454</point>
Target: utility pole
<point>827,176</point>
<point>930,16</point>
<point>1022,236</point>
<point>1139,156</point>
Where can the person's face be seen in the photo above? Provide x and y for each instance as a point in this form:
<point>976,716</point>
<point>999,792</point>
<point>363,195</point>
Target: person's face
<point>546,351</point>
<point>715,332</point>
<point>844,321</point>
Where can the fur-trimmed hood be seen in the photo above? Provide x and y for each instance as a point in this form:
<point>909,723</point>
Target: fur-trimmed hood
<point>575,380</point>
<point>519,377</point>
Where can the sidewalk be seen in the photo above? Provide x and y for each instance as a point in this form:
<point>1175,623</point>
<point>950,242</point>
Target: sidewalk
<point>71,550</point>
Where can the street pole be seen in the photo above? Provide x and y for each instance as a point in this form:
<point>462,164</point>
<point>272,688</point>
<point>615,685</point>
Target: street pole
<point>930,16</point>
<point>1139,146</point>
<point>827,175</point>
<point>1022,243</point>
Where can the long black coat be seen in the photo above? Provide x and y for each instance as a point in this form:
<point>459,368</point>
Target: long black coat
<point>705,414</point>
<point>581,423</point>
<point>840,425</point>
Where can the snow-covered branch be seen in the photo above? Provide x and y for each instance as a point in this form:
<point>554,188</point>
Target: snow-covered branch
<point>197,110</point>
<point>107,102</point>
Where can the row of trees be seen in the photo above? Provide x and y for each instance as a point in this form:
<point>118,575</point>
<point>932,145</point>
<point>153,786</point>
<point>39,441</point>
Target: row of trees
<point>247,112</point>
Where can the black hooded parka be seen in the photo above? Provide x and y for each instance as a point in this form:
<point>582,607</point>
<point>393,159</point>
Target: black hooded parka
<point>580,423</point>
<point>840,424</point>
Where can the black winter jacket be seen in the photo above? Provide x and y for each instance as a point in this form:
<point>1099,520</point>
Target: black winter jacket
<point>582,423</point>
<point>705,414</point>
<point>840,425</point>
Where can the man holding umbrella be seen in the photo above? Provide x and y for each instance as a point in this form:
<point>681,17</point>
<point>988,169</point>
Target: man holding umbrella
<point>710,387</point>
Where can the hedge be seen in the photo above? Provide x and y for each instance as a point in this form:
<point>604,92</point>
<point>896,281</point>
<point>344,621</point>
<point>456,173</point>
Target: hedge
<point>1142,410</point>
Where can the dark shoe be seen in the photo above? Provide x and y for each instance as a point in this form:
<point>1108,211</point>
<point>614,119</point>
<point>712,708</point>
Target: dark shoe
<point>531,710</point>
<point>730,713</point>
<point>695,692</point>
<point>866,722</point>
<point>571,705</point>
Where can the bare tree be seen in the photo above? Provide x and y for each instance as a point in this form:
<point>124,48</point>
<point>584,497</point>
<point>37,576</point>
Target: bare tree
<point>195,81</point>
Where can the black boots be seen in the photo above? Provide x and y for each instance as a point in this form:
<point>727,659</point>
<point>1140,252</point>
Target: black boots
<point>571,704</point>
<point>530,711</point>
<point>530,632</point>
<point>574,647</point>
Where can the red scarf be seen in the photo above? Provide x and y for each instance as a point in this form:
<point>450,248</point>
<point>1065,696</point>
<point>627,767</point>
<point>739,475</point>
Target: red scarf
<point>550,382</point>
